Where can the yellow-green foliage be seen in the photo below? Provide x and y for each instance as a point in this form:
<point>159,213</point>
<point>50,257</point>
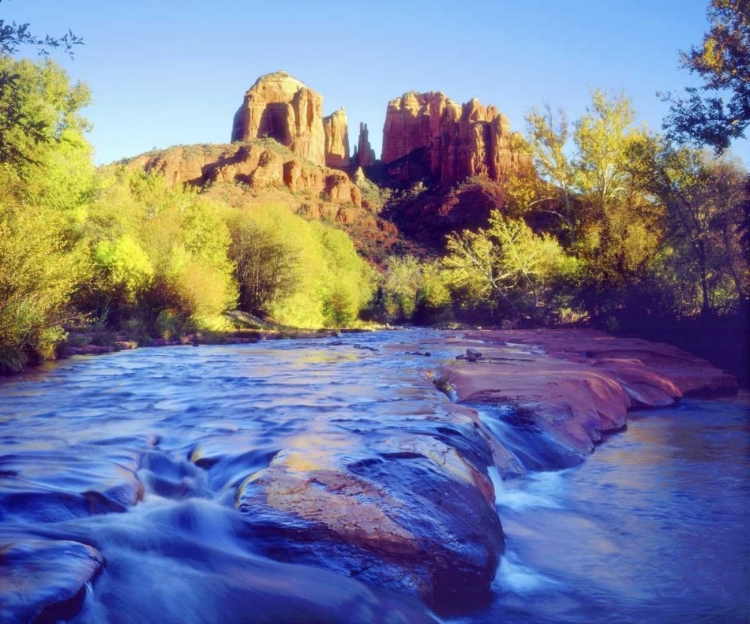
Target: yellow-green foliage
<point>506,266</point>
<point>38,271</point>
<point>45,178</point>
<point>303,273</point>
<point>158,249</point>
<point>414,289</point>
<point>124,266</point>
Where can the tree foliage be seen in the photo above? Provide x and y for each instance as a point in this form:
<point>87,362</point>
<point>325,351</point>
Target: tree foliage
<point>38,273</point>
<point>39,113</point>
<point>723,63</point>
<point>703,198</point>
<point>13,36</point>
<point>505,267</point>
<point>415,291</point>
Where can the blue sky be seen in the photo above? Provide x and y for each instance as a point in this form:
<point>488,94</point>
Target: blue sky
<point>171,72</point>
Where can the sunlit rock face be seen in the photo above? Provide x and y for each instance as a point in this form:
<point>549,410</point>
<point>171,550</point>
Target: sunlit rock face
<point>258,166</point>
<point>336,127</point>
<point>574,385</point>
<point>430,135</point>
<point>281,107</point>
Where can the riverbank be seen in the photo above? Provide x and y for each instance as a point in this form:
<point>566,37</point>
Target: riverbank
<point>574,385</point>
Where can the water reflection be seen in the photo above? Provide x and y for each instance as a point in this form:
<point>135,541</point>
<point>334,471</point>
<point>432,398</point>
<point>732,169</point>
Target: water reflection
<point>652,528</point>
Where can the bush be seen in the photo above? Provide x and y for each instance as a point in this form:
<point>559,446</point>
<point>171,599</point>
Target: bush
<point>38,271</point>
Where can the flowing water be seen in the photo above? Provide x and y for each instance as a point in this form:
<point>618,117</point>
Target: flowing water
<point>652,528</point>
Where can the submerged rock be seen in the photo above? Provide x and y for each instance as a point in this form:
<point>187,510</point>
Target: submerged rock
<point>95,480</point>
<point>412,511</point>
<point>44,581</point>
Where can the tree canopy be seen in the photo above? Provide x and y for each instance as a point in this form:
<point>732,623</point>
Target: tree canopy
<point>723,62</point>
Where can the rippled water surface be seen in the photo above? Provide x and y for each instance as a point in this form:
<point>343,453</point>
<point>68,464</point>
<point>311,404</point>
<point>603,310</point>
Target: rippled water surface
<point>652,528</point>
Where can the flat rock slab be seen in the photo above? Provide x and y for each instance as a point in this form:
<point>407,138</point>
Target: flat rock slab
<point>575,384</point>
<point>44,581</point>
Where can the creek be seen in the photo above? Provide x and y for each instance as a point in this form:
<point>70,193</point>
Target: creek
<point>651,528</point>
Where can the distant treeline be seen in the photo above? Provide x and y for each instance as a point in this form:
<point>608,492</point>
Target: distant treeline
<point>614,225</point>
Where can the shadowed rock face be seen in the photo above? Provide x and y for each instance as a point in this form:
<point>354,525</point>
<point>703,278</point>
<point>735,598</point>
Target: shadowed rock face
<point>364,155</point>
<point>429,135</point>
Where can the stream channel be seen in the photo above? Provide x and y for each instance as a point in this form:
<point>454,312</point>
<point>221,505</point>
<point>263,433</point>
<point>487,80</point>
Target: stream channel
<point>652,528</point>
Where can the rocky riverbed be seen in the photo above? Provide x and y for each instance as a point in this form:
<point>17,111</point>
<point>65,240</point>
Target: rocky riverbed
<point>317,479</point>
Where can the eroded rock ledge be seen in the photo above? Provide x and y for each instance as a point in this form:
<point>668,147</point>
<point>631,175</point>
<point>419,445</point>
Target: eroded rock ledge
<point>576,384</point>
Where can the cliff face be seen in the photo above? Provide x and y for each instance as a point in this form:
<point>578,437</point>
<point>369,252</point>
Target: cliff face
<point>256,166</point>
<point>364,155</point>
<point>282,108</point>
<point>336,129</point>
<point>429,135</point>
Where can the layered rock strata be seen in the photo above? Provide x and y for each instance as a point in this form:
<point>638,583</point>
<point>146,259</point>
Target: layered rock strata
<point>258,166</point>
<point>429,135</point>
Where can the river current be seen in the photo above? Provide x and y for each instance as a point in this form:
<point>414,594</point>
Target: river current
<point>652,528</point>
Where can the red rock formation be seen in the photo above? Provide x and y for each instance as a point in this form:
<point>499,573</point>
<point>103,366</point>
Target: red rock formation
<point>283,108</point>
<point>364,155</point>
<point>258,166</point>
<point>575,384</point>
<point>336,128</point>
<point>427,134</point>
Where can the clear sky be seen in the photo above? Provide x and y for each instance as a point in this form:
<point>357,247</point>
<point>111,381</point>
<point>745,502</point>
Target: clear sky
<point>168,72</point>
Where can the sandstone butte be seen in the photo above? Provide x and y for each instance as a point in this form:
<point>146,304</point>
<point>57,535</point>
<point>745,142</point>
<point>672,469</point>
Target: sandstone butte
<point>428,134</point>
<point>306,154</point>
<point>336,130</point>
<point>280,107</point>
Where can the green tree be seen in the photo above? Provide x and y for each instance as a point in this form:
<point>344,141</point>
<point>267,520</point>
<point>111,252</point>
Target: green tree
<point>349,280</point>
<point>723,62</point>
<point>414,290</point>
<point>704,199</point>
<point>39,110</point>
<point>266,266</point>
<point>506,266</point>
<point>41,258</point>
<point>13,36</point>
<point>38,272</point>
<point>548,132</point>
